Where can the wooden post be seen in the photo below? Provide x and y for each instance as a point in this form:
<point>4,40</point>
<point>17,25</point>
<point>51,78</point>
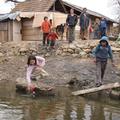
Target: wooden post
<point>96,89</point>
<point>54,15</point>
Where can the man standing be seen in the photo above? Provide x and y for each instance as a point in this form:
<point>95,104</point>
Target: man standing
<point>71,22</point>
<point>84,24</point>
<point>103,27</point>
<point>97,29</point>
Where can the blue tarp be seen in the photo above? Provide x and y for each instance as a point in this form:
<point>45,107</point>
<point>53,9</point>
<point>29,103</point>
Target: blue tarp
<point>11,16</point>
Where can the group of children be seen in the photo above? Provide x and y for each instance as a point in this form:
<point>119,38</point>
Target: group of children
<point>102,51</point>
<point>49,34</point>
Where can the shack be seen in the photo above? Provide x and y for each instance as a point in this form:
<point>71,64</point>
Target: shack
<point>24,21</point>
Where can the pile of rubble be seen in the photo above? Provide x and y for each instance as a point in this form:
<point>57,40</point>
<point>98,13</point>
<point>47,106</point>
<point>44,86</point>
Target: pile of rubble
<point>83,48</point>
<point>18,48</point>
<point>76,49</point>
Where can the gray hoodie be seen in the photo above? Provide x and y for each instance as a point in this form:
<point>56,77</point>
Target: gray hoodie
<point>103,53</point>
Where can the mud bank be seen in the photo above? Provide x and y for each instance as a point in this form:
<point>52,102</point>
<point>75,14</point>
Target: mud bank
<point>62,68</point>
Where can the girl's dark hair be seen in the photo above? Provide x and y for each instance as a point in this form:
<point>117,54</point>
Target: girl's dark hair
<point>31,58</point>
<point>45,17</point>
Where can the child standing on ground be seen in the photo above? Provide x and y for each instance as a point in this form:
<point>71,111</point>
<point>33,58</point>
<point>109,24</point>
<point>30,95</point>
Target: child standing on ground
<point>52,37</point>
<point>35,67</point>
<point>46,26</point>
<point>103,50</point>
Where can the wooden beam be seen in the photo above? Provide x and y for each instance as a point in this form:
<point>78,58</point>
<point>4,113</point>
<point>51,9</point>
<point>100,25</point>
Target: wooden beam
<point>96,89</point>
<point>63,6</point>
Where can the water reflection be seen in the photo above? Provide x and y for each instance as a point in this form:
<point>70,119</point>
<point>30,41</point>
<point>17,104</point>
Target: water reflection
<point>10,113</point>
<point>7,89</point>
<point>73,115</point>
<point>61,107</point>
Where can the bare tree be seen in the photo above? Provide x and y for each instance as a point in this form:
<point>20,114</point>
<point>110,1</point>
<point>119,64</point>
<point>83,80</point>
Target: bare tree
<point>15,1</point>
<point>116,5</point>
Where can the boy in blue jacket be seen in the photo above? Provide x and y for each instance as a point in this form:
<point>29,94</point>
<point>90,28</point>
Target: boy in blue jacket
<point>102,52</point>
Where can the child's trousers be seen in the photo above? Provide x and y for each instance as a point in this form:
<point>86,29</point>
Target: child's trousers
<point>52,43</point>
<point>100,70</point>
<point>45,38</point>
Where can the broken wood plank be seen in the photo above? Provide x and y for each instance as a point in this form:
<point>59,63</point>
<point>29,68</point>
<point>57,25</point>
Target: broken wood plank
<point>96,89</point>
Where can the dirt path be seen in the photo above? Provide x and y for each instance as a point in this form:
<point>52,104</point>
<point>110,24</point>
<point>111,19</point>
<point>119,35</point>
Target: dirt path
<point>61,70</point>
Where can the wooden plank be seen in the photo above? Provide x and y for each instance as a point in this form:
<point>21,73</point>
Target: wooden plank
<point>31,32</point>
<point>3,36</point>
<point>96,89</point>
<point>27,28</point>
<point>10,31</point>
<point>27,23</point>
<point>3,26</point>
<point>31,37</point>
<point>65,10</point>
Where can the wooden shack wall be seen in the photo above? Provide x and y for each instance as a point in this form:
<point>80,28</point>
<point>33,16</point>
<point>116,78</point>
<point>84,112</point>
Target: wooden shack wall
<point>17,36</point>
<point>25,29</point>
<point>31,27</point>
<point>30,33</point>
<point>6,31</point>
<point>3,31</point>
<point>110,27</point>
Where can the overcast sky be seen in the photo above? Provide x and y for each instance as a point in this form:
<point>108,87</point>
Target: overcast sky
<point>102,6</point>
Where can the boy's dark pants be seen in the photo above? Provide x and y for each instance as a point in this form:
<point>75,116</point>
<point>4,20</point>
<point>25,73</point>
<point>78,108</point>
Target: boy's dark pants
<point>45,38</point>
<point>100,70</point>
<point>84,33</point>
<point>103,32</point>
<point>52,43</point>
<point>71,34</point>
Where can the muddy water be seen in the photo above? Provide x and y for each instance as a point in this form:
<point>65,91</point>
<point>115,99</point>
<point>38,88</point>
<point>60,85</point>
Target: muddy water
<point>63,106</point>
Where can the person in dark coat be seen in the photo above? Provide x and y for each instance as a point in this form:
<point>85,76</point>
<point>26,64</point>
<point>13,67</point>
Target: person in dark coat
<point>84,24</point>
<point>71,22</point>
<point>103,27</point>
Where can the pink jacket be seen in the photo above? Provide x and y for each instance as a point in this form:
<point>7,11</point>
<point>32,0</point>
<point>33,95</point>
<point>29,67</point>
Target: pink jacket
<point>40,63</point>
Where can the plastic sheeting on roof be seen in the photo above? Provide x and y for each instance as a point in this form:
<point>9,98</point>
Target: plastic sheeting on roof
<point>17,15</point>
<point>57,18</point>
<point>27,14</point>
<point>11,16</point>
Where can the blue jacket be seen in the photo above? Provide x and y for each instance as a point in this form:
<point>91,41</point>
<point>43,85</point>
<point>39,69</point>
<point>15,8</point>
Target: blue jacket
<point>103,53</point>
<point>103,24</point>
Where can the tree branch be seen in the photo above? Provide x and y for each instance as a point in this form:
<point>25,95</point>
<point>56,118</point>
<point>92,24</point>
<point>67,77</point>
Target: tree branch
<point>16,1</point>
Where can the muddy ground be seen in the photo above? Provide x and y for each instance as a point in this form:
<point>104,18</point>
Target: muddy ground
<point>61,70</point>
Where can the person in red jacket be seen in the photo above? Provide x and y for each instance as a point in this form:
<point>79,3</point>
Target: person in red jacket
<point>52,37</point>
<point>46,26</point>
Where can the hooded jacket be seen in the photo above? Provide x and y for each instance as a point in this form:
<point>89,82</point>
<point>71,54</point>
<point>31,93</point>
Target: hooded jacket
<point>103,53</point>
